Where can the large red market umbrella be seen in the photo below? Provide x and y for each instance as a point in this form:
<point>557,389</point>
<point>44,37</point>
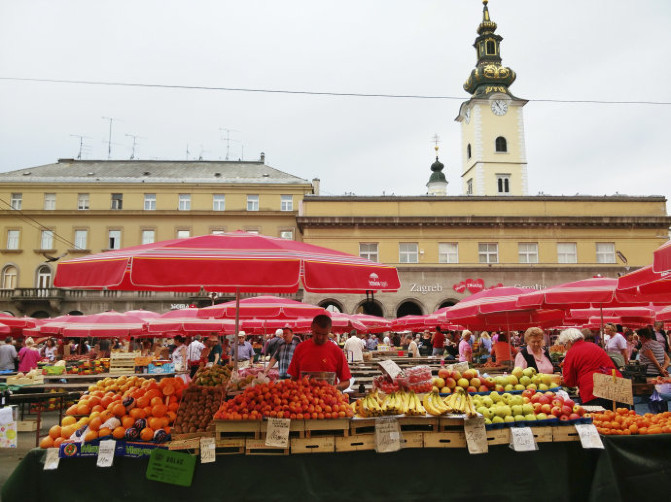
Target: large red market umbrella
<point>661,260</point>
<point>104,325</point>
<point>263,307</point>
<point>502,299</point>
<point>373,324</point>
<point>593,292</point>
<point>645,284</point>
<point>239,261</point>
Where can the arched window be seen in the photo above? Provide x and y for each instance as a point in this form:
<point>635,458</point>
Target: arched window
<point>468,151</point>
<point>43,277</point>
<point>501,144</point>
<point>10,276</point>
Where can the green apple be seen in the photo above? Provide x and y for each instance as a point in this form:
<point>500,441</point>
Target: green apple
<point>495,397</point>
<point>519,386</point>
<point>531,417</point>
<point>516,409</point>
<point>488,421</point>
<point>532,386</point>
<point>439,382</point>
<point>504,411</point>
<point>543,387</point>
<point>541,416</point>
<point>509,418</point>
<point>525,380</point>
<point>488,401</point>
<point>509,387</point>
<point>517,371</point>
<point>546,379</point>
<point>529,372</point>
<point>497,420</point>
<point>519,418</point>
<point>506,396</point>
<point>512,380</point>
<point>528,408</point>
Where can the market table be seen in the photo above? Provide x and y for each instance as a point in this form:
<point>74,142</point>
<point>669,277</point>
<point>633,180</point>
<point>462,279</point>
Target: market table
<point>38,398</point>
<point>630,468</point>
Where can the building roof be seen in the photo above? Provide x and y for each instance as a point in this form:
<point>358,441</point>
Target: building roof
<point>152,171</point>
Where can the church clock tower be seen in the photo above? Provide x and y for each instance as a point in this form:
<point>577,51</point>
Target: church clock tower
<point>492,124</point>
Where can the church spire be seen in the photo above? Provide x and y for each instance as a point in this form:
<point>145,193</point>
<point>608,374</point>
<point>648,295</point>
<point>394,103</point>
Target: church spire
<point>489,76</point>
<point>437,184</point>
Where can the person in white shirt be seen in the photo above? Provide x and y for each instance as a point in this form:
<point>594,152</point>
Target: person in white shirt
<point>387,340</point>
<point>413,350</point>
<point>193,354</point>
<point>354,348</point>
<point>616,346</point>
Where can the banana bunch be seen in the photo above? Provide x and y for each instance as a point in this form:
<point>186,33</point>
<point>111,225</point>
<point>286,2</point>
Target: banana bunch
<point>434,404</point>
<point>396,403</point>
<point>462,403</point>
<point>368,406</point>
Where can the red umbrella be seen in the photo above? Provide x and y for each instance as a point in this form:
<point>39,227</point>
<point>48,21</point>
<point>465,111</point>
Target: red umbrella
<point>502,299</point>
<point>373,324</point>
<point>596,291</point>
<point>661,260</point>
<point>143,314</point>
<point>624,313</point>
<point>264,307</point>
<point>238,261</point>
<point>104,325</point>
<point>645,284</point>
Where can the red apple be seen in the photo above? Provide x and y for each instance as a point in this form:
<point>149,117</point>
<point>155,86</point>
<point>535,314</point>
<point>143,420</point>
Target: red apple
<point>566,410</point>
<point>563,418</point>
<point>490,382</point>
<point>547,409</point>
<point>483,388</point>
<point>569,402</point>
<point>536,398</point>
<point>579,410</point>
<point>556,411</point>
<point>450,383</point>
<point>544,400</point>
<point>469,374</point>
<point>470,388</point>
<point>573,416</point>
<point>558,401</point>
<point>499,388</point>
<point>537,408</point>
<point>444,373</point>
<point>528,393</point>
<point>549,393</point>
<point>476,382</point>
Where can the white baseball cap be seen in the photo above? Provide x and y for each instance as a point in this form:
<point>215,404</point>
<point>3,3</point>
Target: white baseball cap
<point>278,332</point>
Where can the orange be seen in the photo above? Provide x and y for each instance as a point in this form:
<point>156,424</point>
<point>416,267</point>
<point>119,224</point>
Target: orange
<point>90,436</point>
<point>119,432</point>
<point>72,410</point>
<point>142,402</point>
<point>57,442</point>
<point>55,432</point>
<point>68,431</point>
<point>156,401</point>
<point>47,442</point>
<point>105,401</point>
<point>104,431</point>
<point>95,423</point>
<point>137,413</point>
<point>97,408</point>
<point>93,401</point>
<point>127,421</point>
<point>68,421</point>
<point>106,415</point>
<point>159,410</point>
<point>147,411</point>
<point>119,410</point>
<point>173,406</point>
<point>147,434</point>
<point>155,423</point>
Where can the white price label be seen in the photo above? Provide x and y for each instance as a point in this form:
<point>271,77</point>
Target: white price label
<point>522,439</point>
<point>387,435</point>
<point>51,459</point>
<point>391,368</point>
<point>208,452</point>
<point>589,436</point>
<point>476,435</point>
<point>106,453</point>
<point>278,432</point>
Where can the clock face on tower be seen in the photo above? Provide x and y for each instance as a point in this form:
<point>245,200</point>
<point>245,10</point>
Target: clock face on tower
<point>499,107</point>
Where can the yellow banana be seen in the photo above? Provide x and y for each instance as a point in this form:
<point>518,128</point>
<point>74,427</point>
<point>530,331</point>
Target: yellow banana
<point>430,406</point>
<point>418,406</point>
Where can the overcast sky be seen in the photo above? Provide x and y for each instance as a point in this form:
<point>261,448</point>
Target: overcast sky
<point>574,50</point>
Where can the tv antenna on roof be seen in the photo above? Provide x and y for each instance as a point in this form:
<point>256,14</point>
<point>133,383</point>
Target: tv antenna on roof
<point>132,155</point>
<point>228,139</point>
<point>81,144</point>
<point>109,140</point>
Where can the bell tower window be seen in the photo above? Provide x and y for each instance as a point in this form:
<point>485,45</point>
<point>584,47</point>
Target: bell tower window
<point>491,48</point>
<point>501,144</point>
<point>468,151</point>
<point>503,184</point>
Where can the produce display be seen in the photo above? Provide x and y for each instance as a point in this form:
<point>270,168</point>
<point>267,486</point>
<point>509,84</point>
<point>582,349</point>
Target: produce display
<point>530,406</point>
<point>213,376</point>
<point>519,379</point>
<point>197,408</point>
<point>396,403</point>
<point>130,408</point>
<point>625,422</point>
<point>416,379</point>
<point>300,399</point>
<point>459,402</point>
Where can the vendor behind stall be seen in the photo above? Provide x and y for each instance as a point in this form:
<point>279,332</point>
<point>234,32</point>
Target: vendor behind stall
<point>317,355</point>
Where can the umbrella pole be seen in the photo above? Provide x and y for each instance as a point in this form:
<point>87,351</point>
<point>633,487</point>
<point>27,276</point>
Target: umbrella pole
<point>237,327</point>
<point>603,344</point>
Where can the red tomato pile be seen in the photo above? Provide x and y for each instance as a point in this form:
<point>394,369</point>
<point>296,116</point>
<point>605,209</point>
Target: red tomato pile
<point>300,399</point>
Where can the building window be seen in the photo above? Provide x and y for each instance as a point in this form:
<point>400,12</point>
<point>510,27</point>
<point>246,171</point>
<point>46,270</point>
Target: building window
<point>82,201</point>
<point>287,203</point>
<point>605,252</point>
<point>43,277</point>
<point>491,48</point>
<point>217,232</point>
<point>468,151</point>
<point>184,202</point>
<point>218,202</point>
<point>448,252</point>
<point>183,234</point>
<point>117,201</point>
<point>9,277</point>
<point>469,187</point>
<point>16,201</point>
<point>252,203</point>
<point>501,144</point>
<point>567,252</point>
<point>47,241</point>
<point>253,232</point>
<point>49,201</point>
<point>114,239</point>
<point>528,252</point>
<point>148,236</point>
<point>81,236</point>
<point>287,234</point>
<point>150,202</point>
<point>13,239</point>
<point>408,253</point>
<point>368,250</point>
<point>503,183</point>
<point>488,252</point>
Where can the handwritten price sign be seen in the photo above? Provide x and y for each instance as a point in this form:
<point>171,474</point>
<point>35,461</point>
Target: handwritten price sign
<point>522,439</point>
<point>613,388</point>
<point>278,432</point>
<point>476,435</point>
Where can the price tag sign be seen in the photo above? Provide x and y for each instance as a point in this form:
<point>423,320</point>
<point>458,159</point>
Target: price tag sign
<point>460,367</point>
<point>278,432</point>
<point>51,459</point>
<point>387,435</point>
<point>613,388</point>
<point>208,452</point>
<point>522,439</point>
<point>476,435</point>
<point>106,453</point>
<point>172,467</point>
<point>390,368</point>
<point>589,436</point>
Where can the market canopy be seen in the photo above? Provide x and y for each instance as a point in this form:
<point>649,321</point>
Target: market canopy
<point>264,307</point>
<point>238,261</point>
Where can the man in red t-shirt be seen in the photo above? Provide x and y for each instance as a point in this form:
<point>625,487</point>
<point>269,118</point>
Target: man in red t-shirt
<point>318,354</point>
<point>438,342</point>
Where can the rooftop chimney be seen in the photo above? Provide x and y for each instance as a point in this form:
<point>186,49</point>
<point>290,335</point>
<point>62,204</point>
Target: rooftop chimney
<point>263,158</point>
<point>315,186</point>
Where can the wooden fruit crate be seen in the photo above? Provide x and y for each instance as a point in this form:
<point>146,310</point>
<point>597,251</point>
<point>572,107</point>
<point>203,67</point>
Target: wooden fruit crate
<point>412,440</point>
<point>258,447</point>
<point>230,446</point>
<point>26,425</point>
<point>564,433</point>
<point>237,429</point>
<point>123,363</point>
<point>498,436</point>
<point>355,443</point>
<point>418,424</point>
<point>192,445</point>
<point>296,429</point>
<point>359,426</point>
<point>543,434</point>
<point>450,439</point>
<point>327,427</point>
<point>324,444</point>
<point>450,423</point>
